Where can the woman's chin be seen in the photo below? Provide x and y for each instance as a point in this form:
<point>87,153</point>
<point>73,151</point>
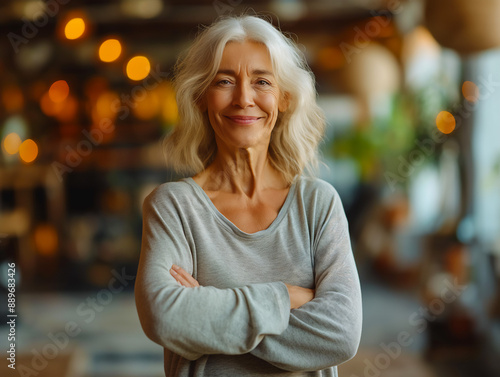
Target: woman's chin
<point>249,143</point>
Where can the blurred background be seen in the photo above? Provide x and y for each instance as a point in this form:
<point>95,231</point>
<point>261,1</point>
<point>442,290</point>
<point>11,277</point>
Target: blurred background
<point>411,90</point>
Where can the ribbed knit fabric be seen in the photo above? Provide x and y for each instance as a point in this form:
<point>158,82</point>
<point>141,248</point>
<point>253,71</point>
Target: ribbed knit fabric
<point>239,322</point>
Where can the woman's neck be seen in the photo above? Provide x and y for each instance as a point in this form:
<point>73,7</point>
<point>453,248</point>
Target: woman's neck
<point>246,172</point>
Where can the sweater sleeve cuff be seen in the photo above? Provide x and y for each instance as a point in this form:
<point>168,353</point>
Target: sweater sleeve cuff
<point>283,302</point>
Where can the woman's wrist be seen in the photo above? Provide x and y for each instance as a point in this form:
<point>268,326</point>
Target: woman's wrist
<point>299,295</point>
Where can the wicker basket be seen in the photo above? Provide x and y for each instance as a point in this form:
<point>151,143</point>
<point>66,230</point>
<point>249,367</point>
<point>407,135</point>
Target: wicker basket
<point>467,26</point>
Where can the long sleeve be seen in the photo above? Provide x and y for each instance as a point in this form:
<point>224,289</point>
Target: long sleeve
<point>326,331</point>
<point>197,321</point>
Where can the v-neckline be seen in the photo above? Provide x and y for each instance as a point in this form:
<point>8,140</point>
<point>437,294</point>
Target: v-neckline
<point>229,224</point>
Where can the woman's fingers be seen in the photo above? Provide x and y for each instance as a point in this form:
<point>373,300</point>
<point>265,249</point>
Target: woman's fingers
<point>299,295</point>
<point>185,279</point>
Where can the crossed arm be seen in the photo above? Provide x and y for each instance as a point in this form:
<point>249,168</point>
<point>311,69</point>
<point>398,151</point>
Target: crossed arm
<point>290,327</point>
<point>298,295</point>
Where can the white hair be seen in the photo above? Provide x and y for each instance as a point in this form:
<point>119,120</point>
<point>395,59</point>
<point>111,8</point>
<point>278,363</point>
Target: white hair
<point>191,146</point>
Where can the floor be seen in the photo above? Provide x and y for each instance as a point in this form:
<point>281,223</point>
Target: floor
<point>88,340</point>
<point>69,335</point>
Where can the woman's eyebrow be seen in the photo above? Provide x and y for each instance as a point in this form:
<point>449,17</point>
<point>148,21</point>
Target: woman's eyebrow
<point>254,72</point>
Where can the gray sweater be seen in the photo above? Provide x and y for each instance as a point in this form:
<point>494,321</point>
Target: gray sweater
<point>239,322</point>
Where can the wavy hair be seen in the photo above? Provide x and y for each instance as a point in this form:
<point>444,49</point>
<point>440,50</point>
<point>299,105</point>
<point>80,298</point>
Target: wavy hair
<point>191,145</point>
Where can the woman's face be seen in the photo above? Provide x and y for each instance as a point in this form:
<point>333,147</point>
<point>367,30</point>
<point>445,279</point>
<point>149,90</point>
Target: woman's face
<point>244,99</point>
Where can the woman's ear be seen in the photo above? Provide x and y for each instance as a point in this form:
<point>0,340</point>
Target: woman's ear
<point>284,102</point>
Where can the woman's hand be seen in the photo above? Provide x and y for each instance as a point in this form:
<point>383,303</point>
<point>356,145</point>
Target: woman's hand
<point>183,277</point>
<point>299,296</point>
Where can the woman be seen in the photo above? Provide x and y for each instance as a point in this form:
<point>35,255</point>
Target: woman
<point>246,268</point>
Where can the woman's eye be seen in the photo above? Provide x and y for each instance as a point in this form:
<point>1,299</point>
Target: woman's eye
<point>263,82</point>
<point>223,82</point>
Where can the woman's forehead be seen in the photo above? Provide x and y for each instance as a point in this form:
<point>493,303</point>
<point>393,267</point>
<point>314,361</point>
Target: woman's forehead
<point>249,54</point>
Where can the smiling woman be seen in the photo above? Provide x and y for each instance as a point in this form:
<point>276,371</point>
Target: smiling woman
<point>246,267</point>
<point>191,147</point>
<point>244,99</point>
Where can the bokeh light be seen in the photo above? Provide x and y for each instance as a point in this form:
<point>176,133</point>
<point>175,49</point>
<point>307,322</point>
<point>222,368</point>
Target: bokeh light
<point>75,28</point>
<point>64,111</point>
<point>34,58</point>
<point>470,91</point>
<point>445,122</point>
<point>147,108</point>
<point>67,110</point>
<point>28,151</point>
<point>169,108</point>
<point>46,239</point>
<point>29,8</point>
<point>48,106</point>
<point>11,143</point>
<point>142,8</point>
<point>138,68</point>
<point>59,91</point>
<point>16,124</point>
<point>105,106</point>
<point>110,50</point>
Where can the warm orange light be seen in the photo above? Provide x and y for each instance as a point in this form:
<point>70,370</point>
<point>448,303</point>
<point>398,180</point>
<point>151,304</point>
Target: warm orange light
<point>28,151</point>
<point>470,91</point>
<point>64,111</point>
<point>11,143</point>
<point>75,28</point>
<point>46,239</point>
<point>148,107</point>
<point>59,91</point>
<point>48,107</point>
<point>445,122</point>
<point>170,111</point>
<point>67,110</point>
<point>138,68</point>
<point>104,106</point>
<point>110,50</point>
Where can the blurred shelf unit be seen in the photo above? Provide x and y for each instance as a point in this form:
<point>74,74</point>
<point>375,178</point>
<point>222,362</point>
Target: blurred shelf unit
<point>29,192</point>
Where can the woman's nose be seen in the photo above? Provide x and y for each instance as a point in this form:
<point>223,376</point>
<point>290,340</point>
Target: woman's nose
<point>243,95</point>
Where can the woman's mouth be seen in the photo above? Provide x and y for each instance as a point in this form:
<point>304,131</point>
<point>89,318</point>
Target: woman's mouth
<point>243,119</point>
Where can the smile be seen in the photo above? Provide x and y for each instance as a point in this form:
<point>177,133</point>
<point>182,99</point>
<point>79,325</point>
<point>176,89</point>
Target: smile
<point>243,119</point>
